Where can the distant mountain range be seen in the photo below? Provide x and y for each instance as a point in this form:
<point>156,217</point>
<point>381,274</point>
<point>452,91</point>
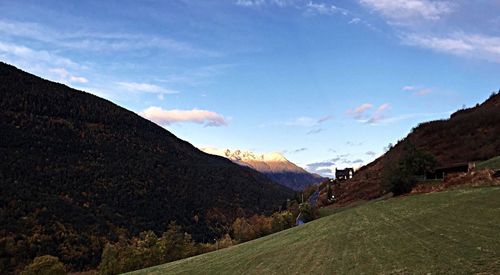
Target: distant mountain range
<point>77,171</point>
<point>470,134</point>
<point>274,165</point>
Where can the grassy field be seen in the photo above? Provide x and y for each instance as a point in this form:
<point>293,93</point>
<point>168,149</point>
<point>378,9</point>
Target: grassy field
<point>493,163</point>
<point>453,232</point>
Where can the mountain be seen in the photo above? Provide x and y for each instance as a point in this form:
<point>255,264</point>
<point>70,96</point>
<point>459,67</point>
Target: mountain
<point>77,171</point>
<point>274,165</point>
<point>468,135</point>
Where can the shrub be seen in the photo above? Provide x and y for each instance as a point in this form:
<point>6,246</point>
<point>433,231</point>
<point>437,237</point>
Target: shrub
<point>309,213</point>
<point>45,265</point>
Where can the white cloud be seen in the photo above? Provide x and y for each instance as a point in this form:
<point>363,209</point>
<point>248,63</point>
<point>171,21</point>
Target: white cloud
<point>145,87</point>
<point>359,111</point>
<point>428,24</point>
<point>250,3</point>
<point>417,91</point>
<point>168,117</point>
<point>26,54</point>
<point>43,63</point>
<point>324,9</point>
<point>365,113</point>
<point>308,121</point>
<point>458,43</point>
<point>65,76</point>
<point>355,20</point>
<point>408,11</point>
<point>257,3</point>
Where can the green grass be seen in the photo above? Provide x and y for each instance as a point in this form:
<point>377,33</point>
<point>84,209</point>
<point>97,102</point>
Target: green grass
<point>493,163</point>
<point>453,232</point>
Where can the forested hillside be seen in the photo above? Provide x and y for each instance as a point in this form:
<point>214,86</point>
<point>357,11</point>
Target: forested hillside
<point>77,171</point>
<point>468,135</point>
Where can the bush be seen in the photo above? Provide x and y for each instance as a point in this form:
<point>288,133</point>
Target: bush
<point>401,178</point>
<point>45,265</point>
<point>309,213</point>
<point>147,250</point>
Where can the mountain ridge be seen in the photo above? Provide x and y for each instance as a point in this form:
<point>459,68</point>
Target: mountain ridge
<point>274,165</point>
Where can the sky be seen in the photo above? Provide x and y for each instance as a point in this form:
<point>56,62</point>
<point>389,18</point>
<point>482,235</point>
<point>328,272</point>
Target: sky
<point>327,83</point>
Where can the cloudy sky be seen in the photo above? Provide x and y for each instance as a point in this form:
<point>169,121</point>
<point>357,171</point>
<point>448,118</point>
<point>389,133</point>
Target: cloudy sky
<point>328,83</point>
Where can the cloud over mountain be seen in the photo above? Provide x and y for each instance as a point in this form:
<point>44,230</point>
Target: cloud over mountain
<point>168,117</point>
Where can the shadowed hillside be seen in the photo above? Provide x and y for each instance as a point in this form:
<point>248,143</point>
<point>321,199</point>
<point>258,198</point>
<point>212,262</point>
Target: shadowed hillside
<point>78,171</point>
<point>468,135</point>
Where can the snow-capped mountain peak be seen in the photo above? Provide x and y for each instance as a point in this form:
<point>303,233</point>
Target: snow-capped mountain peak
<point>274,165</point>
<point>239,155</point>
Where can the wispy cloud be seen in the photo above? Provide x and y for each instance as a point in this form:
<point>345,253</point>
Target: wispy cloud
<point>299,150</point>
<point>98,41</point>
<point>26,54</point>
<point>308,8</point>
<point>379,114</point>
<point>145,88</point>
<point>168,117</point>
<point>317,165</point>
<point>66,76</point>
<point>360,111</point>
<point>403,12</point>
<point>459,43</point>
<point>44,63</point>
<point>355,20</point>
<point>306,121</point>
<point>354,144</point>
<point>415,115</point>
<point>371,153</point>
<point>327,167</point>
<point>316,131</point>
<point>195,76</point>
<point>324,9</point>
<point>366,113</point>
<point>417,90</point>
<point>430,25</point>
<point>258,3</point>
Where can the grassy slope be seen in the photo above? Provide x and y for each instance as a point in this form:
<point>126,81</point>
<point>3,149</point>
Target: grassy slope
<point>493,163</point>
<point>455,232</point>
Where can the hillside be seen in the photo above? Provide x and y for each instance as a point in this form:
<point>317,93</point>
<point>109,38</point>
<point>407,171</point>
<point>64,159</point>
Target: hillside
<point>453,232</point>
<point>468,135</point>
<point>77,171</point>
<point>274,165</point>
<point>493,163</point>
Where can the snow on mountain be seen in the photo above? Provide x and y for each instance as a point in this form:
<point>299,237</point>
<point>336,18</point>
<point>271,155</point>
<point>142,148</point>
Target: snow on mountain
<point>274,165</point>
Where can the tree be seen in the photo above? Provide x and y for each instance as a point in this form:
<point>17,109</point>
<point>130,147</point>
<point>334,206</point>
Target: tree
<point>401,178</point>
<point>109,260</point>
<point>242,230</point>
<point>175,244</point>
<point>282,220</point>
<point>45,265</point>
<point>225,242</point>
<point>308,212</point>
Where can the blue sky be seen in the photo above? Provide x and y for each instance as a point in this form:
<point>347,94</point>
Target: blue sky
<point>328,83</point>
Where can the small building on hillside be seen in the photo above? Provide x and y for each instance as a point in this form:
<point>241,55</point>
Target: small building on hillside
<point>344,174</point>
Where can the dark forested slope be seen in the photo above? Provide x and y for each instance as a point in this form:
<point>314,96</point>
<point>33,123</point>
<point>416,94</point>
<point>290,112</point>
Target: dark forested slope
<point>77,171</point>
